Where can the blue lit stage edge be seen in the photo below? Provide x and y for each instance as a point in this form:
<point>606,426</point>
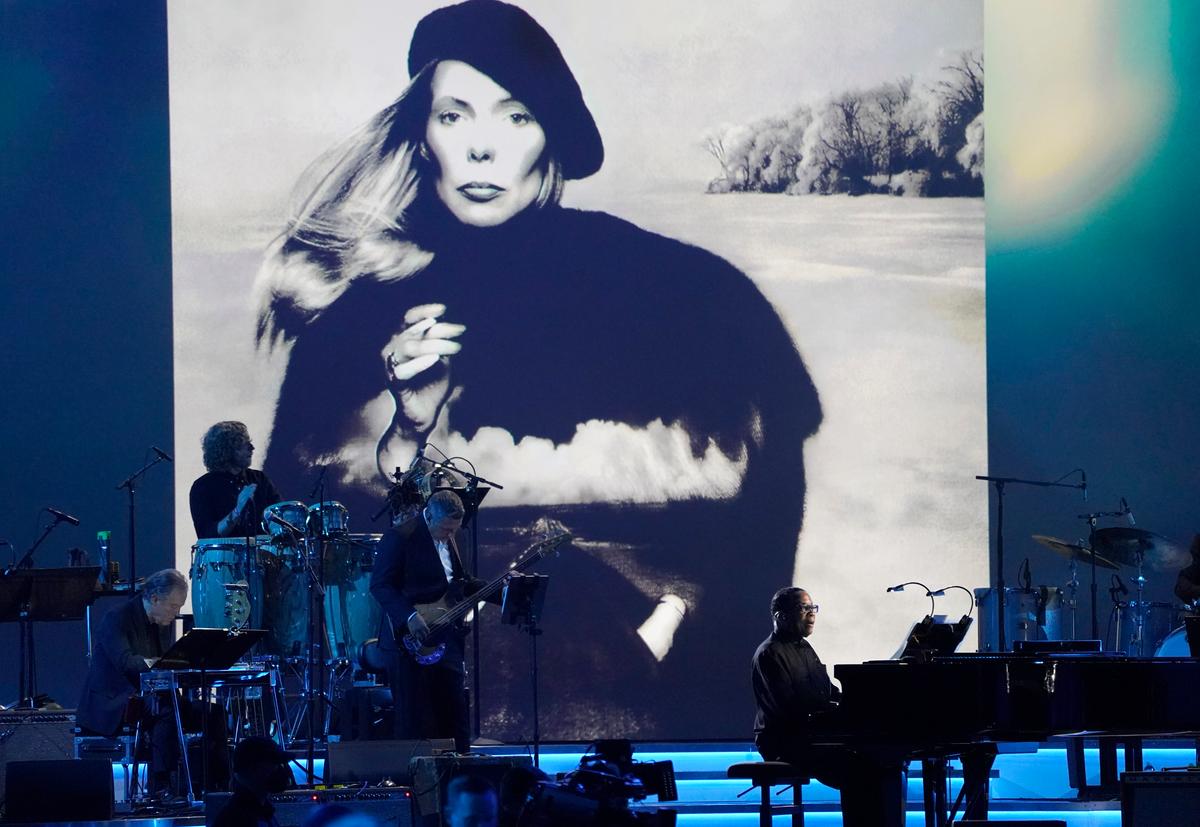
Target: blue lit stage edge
<point>1025,785</point>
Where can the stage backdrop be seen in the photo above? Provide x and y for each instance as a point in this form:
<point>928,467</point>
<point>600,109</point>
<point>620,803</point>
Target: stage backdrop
<point>768,368</point>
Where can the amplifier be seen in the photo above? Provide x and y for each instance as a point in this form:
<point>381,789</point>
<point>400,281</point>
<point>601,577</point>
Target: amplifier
<point>1156,798</point>
<point>33,735</point>
<point>376,762</point>
<point>388,806</point>
<point>432,774</point>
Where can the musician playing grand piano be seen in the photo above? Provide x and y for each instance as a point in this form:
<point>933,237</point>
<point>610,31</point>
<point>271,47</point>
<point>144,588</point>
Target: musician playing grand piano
<point>797,701</point>
<point>417,562</point>
<point>129,641</point>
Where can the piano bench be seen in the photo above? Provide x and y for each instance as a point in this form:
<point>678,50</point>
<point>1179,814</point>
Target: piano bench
<point>767,774</point>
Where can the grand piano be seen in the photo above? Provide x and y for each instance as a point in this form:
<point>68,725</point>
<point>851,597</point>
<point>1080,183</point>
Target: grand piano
<point>964,705</point>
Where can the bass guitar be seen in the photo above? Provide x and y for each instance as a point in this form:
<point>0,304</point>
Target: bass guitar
<point>443,615</point>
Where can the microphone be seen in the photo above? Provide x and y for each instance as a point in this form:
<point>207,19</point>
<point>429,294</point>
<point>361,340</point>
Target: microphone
<point>275,518</point>
<point>420,455</point>
<point>61,517</point>
<point>1083,483</point>
<point>899,588</point>
<point>1128,512</point>
<point>163,455</point>
<point>317,484</point>
<point>1119,585</point>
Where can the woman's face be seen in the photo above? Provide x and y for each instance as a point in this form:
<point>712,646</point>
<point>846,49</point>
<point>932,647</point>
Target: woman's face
<point>486,144</point>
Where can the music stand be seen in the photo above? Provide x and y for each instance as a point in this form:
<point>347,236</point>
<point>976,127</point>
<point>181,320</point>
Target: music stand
<point>28,595</point>
<point>206,649</point>
<point>521,606</point>
<point>203,650</point>
<point>930,638</point>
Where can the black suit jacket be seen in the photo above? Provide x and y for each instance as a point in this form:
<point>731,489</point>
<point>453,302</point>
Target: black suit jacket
<point>407,571</point>
<point>124,639</point>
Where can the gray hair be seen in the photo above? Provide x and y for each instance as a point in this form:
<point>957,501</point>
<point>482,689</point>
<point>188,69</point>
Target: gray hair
<point>445,504</point>
<point>163,583</point>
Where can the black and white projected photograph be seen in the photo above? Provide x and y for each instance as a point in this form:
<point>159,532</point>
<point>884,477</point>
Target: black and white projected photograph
<point>701,284</point>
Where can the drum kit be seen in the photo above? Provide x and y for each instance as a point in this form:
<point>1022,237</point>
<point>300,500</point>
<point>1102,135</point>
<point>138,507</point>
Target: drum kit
<point>262,582</point>
<point>1142,627</point>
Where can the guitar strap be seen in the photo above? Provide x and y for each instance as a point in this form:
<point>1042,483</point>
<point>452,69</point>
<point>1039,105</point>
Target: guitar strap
<point>456,565</point>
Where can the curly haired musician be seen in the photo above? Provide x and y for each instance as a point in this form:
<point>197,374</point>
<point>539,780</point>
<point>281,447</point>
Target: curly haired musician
<point>228,501</point>
<point>418,562</point>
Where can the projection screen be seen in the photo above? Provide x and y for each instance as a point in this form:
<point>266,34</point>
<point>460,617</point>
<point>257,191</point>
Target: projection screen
<point>746,352</point>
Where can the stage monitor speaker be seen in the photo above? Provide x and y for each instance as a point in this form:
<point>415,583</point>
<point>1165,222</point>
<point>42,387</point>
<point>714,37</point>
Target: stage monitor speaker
<point>1157,798</point>
<point>44,791</point>
<point>431,775</point>
<point>375,762</point>
<point>388,806</point>
<point>32,735</point>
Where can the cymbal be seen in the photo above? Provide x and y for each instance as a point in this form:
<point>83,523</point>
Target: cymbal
<point>1126,545</point>
<point>1073,551</point>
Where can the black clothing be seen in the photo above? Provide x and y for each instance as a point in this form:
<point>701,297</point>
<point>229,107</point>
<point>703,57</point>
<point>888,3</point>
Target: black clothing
<point>791,686</point>
<point>576,318</point>
<point>429,701</point>
<point>795,698</point>
<point>506,44</point>
<point>124,639</point>
<point>1187,582</point>
<point>408,570</point>
<point>243,809</point>
<point>214,495</point>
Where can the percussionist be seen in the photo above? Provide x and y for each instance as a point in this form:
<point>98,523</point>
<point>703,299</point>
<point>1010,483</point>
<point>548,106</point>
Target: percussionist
<point>229,500</point>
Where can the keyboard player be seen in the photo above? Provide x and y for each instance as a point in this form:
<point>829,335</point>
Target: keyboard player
<point>795,699</point>
<point>128,642</point>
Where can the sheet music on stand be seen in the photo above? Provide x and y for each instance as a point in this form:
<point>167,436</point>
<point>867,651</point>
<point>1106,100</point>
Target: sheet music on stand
<point>209,649</point>
<point>932,636</point>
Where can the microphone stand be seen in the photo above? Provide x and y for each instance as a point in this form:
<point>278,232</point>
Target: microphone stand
<point>128,483</point>
<point>1091,521</point>
<point>474,482</point>
<point>28,555</point>
<point>28,671</point>
<point>1001,594</point>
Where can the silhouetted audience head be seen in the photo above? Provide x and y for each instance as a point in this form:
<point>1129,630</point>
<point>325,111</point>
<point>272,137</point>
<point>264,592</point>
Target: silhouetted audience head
<point>261,766</point>
<point>471,801</point>
<point>338,815</point>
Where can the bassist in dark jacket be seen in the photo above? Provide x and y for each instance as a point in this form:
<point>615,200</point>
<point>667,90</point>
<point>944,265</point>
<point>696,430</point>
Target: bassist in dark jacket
<point>417,563</point>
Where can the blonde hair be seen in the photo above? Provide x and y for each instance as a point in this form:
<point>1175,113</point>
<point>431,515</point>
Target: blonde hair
<point>348,217</point>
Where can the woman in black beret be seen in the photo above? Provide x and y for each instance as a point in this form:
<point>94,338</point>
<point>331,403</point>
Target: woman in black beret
<point>638,390</point>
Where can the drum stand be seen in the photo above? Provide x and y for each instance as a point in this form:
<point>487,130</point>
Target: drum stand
<point>1073,588</point>
<point>313,689</point>
<point>1140,608</point>
<point>312,546</point>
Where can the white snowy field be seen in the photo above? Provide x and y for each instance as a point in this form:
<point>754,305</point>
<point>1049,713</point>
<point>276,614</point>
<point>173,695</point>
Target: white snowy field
<point>885,300</point>
<point>884,297</point>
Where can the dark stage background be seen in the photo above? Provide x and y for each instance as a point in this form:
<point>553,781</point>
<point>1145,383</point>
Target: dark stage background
<point>1092,334</point>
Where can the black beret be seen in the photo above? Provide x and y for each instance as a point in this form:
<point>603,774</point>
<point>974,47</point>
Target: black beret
<point>506,44</point>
